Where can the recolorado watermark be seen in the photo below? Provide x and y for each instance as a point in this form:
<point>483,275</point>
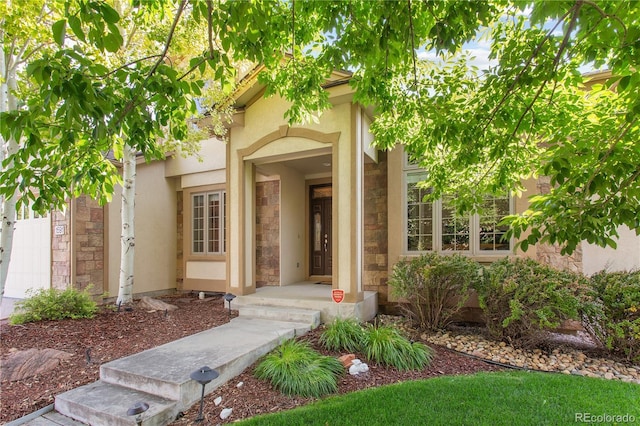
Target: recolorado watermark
<point>604,418</point>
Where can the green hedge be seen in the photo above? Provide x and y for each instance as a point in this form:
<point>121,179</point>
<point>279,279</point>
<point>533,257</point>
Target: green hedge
<point>52,304</point>
<point>433,287</point>
<point>523,299</point>
<point>615,319</point>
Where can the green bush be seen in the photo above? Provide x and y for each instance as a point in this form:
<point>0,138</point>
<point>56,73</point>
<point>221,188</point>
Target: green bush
<point>523,299</point>
<point>52,304</point>
<point>615,319</point>
<point>343,335</point>
<point>435,287</point>
<point>385,345</point>
<point>294,368</point>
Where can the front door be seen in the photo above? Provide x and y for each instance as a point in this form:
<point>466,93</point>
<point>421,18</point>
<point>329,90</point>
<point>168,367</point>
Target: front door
<point>320,231</point>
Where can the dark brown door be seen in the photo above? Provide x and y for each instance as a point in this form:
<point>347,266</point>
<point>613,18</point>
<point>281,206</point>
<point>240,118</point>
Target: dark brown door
<point>320,230</point>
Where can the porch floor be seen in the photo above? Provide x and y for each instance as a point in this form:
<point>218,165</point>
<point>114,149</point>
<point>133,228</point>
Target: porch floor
<point>309,295</point>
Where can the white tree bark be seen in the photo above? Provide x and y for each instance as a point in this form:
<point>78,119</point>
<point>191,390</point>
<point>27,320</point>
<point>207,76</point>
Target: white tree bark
<point>127,214</point>
<point>8,102</point>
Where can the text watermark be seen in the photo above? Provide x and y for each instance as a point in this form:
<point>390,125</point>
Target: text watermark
<point>604,418</point>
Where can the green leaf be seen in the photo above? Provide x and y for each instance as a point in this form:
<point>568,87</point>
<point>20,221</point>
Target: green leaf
<point>59,29</point>
<point>624,82</point>
<point>112,42</point>
<point>109,14</point>
<point>76,27</point>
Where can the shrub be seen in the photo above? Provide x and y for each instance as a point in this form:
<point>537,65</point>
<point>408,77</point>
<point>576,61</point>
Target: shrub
<point>294,368</point>
<point>385,345</point>
<point>615,320</point>
<point>523,299</point>
<point>434,286</point>
<point>343,335</point>
<point>53,304</point>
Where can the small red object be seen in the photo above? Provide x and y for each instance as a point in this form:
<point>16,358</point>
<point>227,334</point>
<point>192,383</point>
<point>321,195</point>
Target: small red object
<point>337,295</point>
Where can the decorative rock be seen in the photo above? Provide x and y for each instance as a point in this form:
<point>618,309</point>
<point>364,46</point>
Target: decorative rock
<point>563,360</point>
<point>217,401</point>
<point>154,304</point>
<point>346,360</point>
<point>225,413</point>
<point>358,367</point>
<point>24,364</point>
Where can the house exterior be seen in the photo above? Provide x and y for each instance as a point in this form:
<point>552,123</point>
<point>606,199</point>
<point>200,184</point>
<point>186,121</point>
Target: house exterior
<point>276,206</point>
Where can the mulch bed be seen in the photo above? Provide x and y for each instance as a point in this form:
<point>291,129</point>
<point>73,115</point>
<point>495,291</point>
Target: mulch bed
<point>108,336</point>
<point>112,335</point>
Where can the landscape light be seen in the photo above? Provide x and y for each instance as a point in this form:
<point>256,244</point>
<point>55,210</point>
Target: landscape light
<point>137,410</point>
<point>203,375</point>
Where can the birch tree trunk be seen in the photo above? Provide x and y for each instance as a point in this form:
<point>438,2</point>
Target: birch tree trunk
<point>127,214</point>
<point>8,102</point>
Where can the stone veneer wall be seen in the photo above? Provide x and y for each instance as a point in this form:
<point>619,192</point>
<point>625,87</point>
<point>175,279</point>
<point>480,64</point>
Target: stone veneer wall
<point>267,233</point>
<point>88,236</point>
<point>90,245</point>
<point>61,250</point>
<point>376,257</point>
<point>180,241</point>
<point>550,254</point>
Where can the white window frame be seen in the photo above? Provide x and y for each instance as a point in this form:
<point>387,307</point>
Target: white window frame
<point>222,225</point>
<point>25,213</point>
<point>437,225</point>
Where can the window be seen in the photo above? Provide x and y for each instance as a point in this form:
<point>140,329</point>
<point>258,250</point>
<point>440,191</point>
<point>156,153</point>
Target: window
<point>419,215</point>
<point>435,226</point>
<point>492,237</point>
<point>25,213</point>
<point>208,223</point>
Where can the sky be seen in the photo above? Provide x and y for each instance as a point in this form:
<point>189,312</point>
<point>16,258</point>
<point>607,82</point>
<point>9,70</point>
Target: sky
<point>480,47</point>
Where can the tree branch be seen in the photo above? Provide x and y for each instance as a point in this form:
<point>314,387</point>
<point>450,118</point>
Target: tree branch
<point>606,15</point>
<point>192,69</point>
<point>522,71</point>
<point>127,65</point>
<point>413,46</point>
<point>624,130</point>
<point>210,26</point>
<point>28,55</point>
<point>131,104</point>
<point>567,34</point>
<point>167,44</point>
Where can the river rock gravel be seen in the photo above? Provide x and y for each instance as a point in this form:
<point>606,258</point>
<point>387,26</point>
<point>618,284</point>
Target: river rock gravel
<point>563,359</point>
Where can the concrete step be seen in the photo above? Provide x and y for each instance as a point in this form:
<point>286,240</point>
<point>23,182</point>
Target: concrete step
<point>101,403</point>
<point>229,349</point>
<point>305,316</point>
<point>161,376</point>
<point>49,418</point>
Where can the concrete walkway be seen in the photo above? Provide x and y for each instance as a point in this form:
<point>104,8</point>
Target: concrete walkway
<point>161,376</point>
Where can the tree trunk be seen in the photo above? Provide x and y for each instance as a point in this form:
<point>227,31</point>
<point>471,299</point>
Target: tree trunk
<point>8,102</point>
<point>127,214</point>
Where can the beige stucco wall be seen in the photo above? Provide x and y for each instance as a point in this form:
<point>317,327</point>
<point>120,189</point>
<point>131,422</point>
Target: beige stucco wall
<point>211,157</point>
<point>264,122</point>
<point>204,172</point>
<point>155,232</point>
<point>625,257</point>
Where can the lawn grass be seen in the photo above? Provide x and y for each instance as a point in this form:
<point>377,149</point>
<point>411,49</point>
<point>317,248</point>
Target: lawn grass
<point>504,398</point>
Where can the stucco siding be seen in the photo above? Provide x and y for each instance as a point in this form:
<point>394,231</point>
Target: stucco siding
<point>155,232</point>
<point>625,257</point>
